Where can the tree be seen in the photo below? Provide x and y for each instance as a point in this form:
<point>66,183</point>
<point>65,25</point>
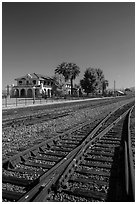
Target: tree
<point>127,89</point>
<point>69,70</point>
<point>102,82</point>
<point>104,86</point>
<point>94,81</point>
<point>90,81</point>
<point>100,78</point>
<point>58,87</point>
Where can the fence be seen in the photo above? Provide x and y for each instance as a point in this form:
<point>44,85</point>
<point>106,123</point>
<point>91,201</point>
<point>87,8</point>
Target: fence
<point>8,102</point>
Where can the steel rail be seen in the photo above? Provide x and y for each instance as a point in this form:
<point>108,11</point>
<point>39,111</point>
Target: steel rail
<point>90,143</point>
<point>20,155</point>
<point>81,106</point>
<point>129,166</point>
<point>25,118</point>
<point>49,178</point>
<point>63,172</point>
<point>41,145</point>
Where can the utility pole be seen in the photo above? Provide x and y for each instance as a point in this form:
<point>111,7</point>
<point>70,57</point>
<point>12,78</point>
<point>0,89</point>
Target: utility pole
<point>114,87</point>
<point>34,94</point>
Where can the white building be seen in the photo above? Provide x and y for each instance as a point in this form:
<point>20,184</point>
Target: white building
<point>32,85</point>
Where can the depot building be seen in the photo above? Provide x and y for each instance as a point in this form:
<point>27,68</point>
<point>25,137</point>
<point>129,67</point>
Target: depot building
<point>32,85</point>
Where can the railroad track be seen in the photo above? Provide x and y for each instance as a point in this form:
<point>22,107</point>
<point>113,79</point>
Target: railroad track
<point>132,132</point>
<point>11,136</point>
<point>34,115</point>
<point>32,174</point>
<point>50,152</point>
<point>104,172</point>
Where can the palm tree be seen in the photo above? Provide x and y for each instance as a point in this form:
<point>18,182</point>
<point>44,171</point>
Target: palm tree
<point>69,70</point>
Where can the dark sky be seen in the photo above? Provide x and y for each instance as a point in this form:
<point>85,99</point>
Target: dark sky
<point>36,37</point>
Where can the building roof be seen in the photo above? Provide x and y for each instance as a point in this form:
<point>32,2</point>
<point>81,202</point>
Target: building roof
<point>35,76</point>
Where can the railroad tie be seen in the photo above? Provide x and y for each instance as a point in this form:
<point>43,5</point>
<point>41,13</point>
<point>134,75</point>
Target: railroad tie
<point>11,195</point>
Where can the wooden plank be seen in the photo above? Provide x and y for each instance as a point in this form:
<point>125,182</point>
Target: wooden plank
<point>111,138</point>
<point>96,164</point>
<point>29,171</point>
<point>45,166</point>
<point>107,154</point>
<point>99,159</point>
<point>110,146</point>
<point>74,142</point>
<point>65,144</point>
<point>11,195</point>
<point>90,181</point>
<point>60,148</point>
<point>106,149</point>
<point>46,158</point>
<point>109,142</point>
<point>57,154</point>
<point>86,193</point>
<point>16,181</point>
<point>93,171</point>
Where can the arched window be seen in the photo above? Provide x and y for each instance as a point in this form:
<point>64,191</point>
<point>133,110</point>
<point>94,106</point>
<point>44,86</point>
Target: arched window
<point>37,92</point>
<point>22,93</point>
<point>16,93</point>
<point>29,93</point>
<point>34,82</point>
<point>48,92</point>
<point>20,82</point>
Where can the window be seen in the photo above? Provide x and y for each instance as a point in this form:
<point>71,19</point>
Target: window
<point>20,82</point>
<point>34,82</point>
